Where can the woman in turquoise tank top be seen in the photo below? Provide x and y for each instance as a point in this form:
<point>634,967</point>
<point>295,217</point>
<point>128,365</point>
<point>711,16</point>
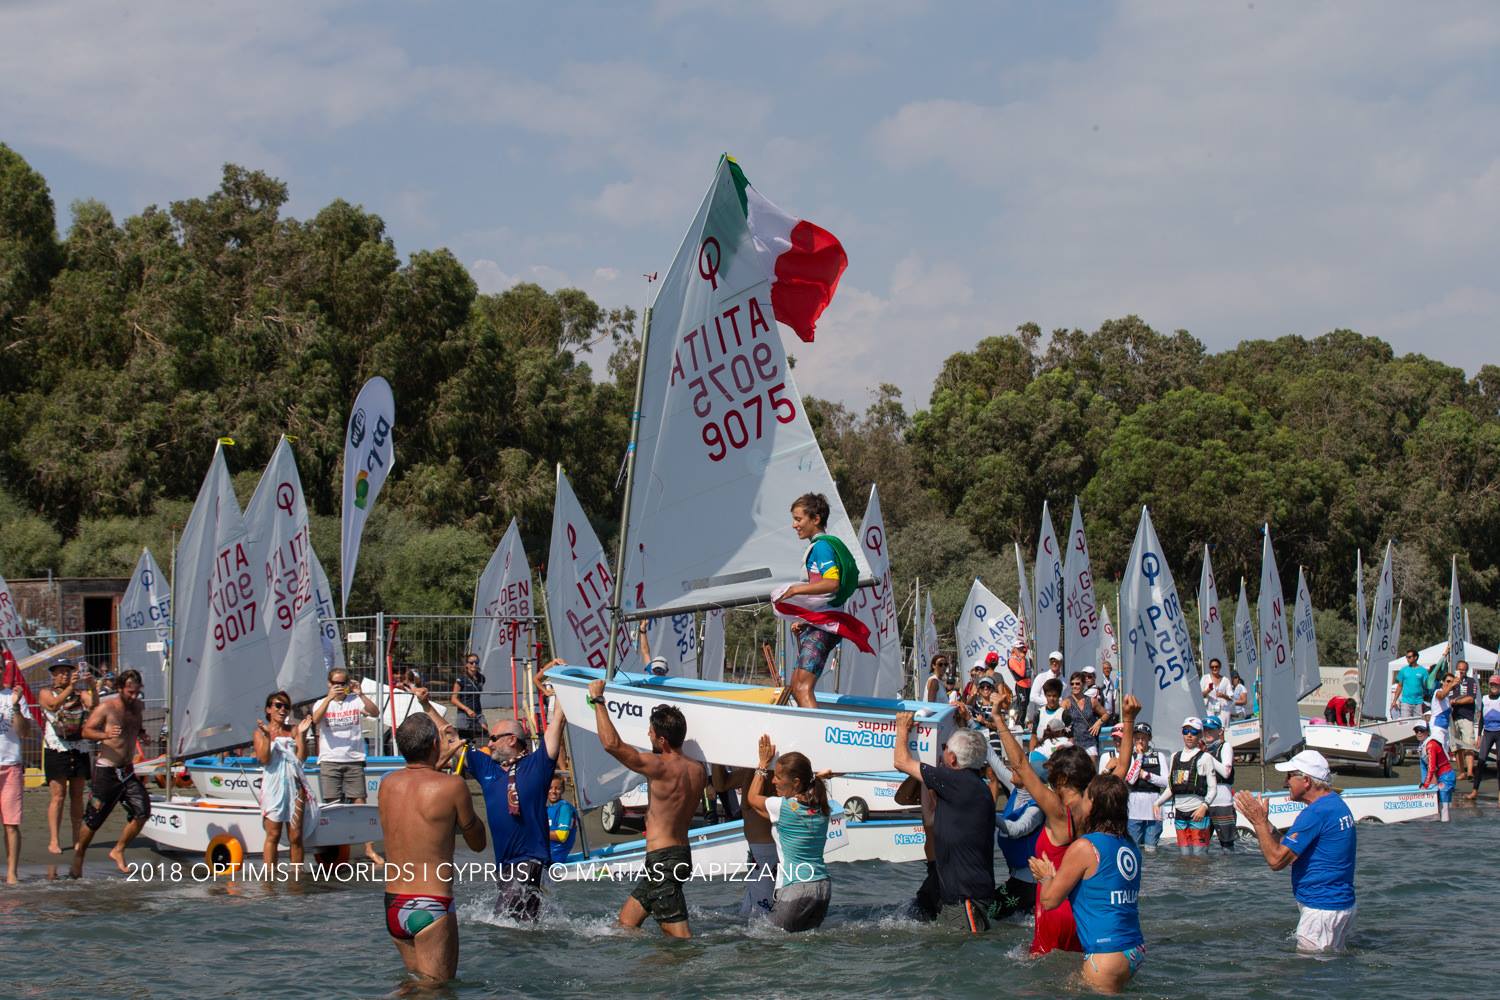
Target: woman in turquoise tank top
<point>799,819</point>
<point>1100,876</point>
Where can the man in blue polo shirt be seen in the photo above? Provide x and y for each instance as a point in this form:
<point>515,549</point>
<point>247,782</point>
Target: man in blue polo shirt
<point>1320,849</point>
<point>1409,690</point>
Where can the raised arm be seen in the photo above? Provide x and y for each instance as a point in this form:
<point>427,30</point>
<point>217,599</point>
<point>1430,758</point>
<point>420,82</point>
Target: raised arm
<point>760,788</point>
<point>1129,709</point>
<point>1020,768</point>
<point>321,708</point>
<point>905,762</point>
<point>371,709</point>
<point>467,820</point>
<point>552,738</point>
<point>609,736</point>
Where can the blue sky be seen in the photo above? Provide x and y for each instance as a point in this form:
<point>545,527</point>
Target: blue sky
<point>1239,170</point>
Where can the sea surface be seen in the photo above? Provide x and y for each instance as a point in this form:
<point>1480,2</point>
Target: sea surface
<point>1216,927</point>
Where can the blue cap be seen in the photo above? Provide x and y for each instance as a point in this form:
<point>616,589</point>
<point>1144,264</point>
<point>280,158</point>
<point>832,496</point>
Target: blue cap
<point>1213,722</point>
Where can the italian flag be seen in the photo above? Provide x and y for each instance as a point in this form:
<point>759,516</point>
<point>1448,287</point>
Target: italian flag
<point>806,259</point>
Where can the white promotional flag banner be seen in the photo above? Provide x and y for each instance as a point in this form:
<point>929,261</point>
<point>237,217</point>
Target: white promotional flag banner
<point>1305,640</point>
<point>1027,611</point>
<point>986,625</point>
<point>281,549</point>
<point>1246,642</point>
<point>1455,620</point>
<point>724,444</point>
<point>221,661</point>
<point>1210,624</point>
<point>713,645</point>
<point>1049,590</point>
<point>1361,627</point>
<point>333,646</point>
<point>1280,725</point>
<point>1082,636</point>
<point>12,628</point>
<point>675,637</point>
<point>146,620</point>
<point>369,456</point>
<point>875,674</point>
<point>578,589</point>
<point>1157,646</point>
<point>1381,647</point>
<point>503,592</point>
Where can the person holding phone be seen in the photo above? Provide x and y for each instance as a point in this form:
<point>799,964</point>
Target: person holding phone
<point>341,743</point>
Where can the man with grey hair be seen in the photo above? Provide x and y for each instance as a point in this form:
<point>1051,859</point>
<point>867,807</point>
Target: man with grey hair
<point>1320,848</point>
<point>963,823</point>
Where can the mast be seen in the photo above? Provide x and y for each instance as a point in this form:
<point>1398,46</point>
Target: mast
<point>620,549</point>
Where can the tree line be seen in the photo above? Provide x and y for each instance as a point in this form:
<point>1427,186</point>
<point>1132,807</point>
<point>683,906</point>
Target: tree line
<point>129,347</point>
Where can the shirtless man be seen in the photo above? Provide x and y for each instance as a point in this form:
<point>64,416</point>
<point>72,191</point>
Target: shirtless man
<point>676,785</point>
<point>116,724</point>
<point>420,809</point>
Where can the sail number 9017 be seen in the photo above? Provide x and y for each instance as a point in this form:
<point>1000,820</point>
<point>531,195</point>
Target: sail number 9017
<point>737,429</point>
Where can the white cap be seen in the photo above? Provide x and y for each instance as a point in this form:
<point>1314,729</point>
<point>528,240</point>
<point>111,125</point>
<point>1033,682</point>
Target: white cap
<point>658,666</point>
<point>1087,670</point>
<point>1055,655</point>
<point>1193,722</point>
<point>1310,763</point>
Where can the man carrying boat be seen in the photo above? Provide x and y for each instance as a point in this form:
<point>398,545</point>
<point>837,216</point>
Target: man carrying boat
<point>1320,848</point>
<point>421,809</point>
<point>675,784</point>
<point>116,725</point>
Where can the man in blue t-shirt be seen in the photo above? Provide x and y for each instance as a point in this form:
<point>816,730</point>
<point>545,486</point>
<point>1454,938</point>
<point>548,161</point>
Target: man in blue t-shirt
<point>1320,849</point>
<point>515,780</point>
<point>1410,689</point>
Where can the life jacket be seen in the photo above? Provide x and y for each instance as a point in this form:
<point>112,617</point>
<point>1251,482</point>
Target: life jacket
<point>1185,778</point>
<point>1150,764</point>
<point>1018,851</point>
<point>1215,750</point>
<point>1441,763</point>
<point>848,569</point>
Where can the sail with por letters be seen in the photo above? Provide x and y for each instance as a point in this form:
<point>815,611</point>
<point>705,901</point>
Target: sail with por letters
<point>500,629</point>
<point>876,674</point>
<point>1156,647</point>
<point>221,659</point>
<point>1210,623</point>
<point>1305,640</point>
<point>1049,589</point>
<point>723,444</point>
<point>145,620</point>
<point>1082,635</point>
<point>986,625</point>
<point>282,553</point>
<point>1280,725</point>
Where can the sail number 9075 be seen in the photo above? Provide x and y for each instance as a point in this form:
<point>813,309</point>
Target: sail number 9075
<point>737,429</point>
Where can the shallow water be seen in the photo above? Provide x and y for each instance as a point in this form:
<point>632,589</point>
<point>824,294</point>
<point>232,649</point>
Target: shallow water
<point>1219,926</point>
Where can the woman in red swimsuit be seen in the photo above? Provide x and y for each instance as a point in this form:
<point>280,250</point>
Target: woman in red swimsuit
<point>1060,797</point>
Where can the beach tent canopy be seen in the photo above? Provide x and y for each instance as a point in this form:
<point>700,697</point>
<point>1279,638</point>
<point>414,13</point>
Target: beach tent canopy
<point>1481,660</point>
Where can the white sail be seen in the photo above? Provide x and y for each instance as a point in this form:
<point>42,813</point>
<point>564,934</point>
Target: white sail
<point>712,668</point>
<point>12,628</point>
<point>282,553</point>
<point>221,660</point>
<point>929,638</point>
<point>1305,640</point>
<point>724,445</point>
<point>675,638</point>
<point>1455,619</point>
<point>146,620</point>
<point>333,646</point>
<point>1210,622</point>
<point>1280,725</point>
<point>1109,649</point>
<point>987,625</point>
<point>1380,648</point>
<point>369,457</point>
<point>1396,629</point>
<point>875,674</point>
<point>578,589</point>
<point>1049,590</point>
<point>1157,646</point>
<point>1081,629</point>
<point>1027,610</point>
<point>499,631</point>
<point>1246,642</point>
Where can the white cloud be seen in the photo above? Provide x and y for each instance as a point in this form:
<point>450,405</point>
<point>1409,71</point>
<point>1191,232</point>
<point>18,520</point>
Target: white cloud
<point>606,273</point>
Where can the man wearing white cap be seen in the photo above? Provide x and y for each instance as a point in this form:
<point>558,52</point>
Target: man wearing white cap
<point>1320,849</point>
<point>1038,697</point>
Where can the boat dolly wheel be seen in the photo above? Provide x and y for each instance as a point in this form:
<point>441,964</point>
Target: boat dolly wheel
<point>225,854</point>
<point>856,808</point>
<point>609,816</point>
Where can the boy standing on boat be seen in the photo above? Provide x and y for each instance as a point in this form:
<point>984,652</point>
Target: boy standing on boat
<point>675,784</point>
<point>832,577</point>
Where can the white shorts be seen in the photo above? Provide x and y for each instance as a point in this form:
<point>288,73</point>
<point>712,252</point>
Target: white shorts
<point>761,883</point>
<point>1323,930</point>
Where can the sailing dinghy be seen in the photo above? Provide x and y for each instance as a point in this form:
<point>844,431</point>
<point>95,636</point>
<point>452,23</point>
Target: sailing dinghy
<point>720,448</point>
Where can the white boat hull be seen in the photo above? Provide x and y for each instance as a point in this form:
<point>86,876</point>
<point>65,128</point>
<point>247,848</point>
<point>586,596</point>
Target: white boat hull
<point>189,825</point>
<point>867,793</point>
<point>238,779</point>
<point>1396,804</point>
<point>1365,745</point>
<point>894,840</point>
<point>725,721</point>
